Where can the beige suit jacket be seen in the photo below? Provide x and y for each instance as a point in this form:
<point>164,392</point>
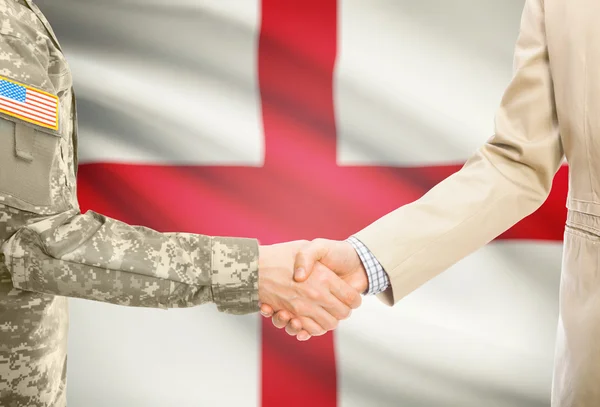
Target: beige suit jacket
<point>550,109</point>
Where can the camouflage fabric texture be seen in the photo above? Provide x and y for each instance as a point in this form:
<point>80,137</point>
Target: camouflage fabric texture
<point>50,250</point>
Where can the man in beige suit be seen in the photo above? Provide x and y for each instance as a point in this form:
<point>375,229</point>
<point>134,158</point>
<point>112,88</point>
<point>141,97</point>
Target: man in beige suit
<point>550,108</point>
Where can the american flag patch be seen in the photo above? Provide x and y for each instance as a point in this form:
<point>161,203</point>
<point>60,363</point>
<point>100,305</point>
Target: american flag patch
<point>28,104</point>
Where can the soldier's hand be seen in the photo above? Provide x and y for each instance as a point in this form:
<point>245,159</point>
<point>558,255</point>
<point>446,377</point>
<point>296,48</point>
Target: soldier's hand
<point>339,256</point>
<point>318,304</point>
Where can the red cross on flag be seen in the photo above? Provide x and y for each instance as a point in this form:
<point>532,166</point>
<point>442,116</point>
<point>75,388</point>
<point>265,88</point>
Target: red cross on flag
<point>299,119</point>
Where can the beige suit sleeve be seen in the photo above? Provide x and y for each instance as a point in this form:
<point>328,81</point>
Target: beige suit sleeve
<point>507,179</point>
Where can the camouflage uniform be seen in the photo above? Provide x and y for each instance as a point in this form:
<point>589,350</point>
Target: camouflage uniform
<point>50,250</point>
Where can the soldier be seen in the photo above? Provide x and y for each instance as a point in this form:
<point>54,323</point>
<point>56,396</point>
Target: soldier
<point>50,250</point>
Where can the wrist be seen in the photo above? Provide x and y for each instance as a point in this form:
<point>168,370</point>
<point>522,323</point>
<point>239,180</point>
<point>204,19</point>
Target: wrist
<point>359,277</point>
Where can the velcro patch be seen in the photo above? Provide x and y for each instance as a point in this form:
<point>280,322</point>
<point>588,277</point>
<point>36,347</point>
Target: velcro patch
<point>28,104</point>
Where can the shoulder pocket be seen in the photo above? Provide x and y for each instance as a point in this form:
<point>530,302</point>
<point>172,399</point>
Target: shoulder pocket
<point>28,157</point>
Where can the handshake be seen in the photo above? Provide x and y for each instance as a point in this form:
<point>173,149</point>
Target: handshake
<point>308,287</point>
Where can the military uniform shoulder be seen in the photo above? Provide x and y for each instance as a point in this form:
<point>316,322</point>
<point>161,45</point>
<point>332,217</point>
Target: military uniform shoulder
<point>28,49</point>
<point>33,70</point>
<point>19,20</point>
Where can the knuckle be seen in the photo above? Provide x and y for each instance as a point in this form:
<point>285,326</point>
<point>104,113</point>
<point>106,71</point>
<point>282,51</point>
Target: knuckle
<point>319,241</point>
<point>358,302</point>
<point>322,278</point>
<point>332,308</point>
<point>350,297</point>
<point>333,325</point>
<point>298,307</point>
<point>312,293</point>
<point>328,325</point>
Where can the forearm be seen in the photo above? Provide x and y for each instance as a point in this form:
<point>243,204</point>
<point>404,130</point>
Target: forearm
<point>94,257</point>
<point>461,214</point>
<point>507,179</point>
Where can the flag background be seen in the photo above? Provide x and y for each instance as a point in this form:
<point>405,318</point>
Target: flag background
<point>297,119</point>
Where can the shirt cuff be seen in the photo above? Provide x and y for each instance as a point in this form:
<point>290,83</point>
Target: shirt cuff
<point>378,278</point>
<point>235,275</point>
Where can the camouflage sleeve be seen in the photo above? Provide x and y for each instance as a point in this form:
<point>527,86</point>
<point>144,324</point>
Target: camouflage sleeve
<point>61,251</point>
<point>94,257</point>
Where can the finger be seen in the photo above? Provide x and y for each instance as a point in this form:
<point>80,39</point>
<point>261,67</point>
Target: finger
<point>345,292</point>
<point>303,336</point>
<point>324,319</point>
<point>281,319</point>
<point>266,310</point>
<point>336,308</point>
<point>294,327</point>
<point>307,257</point>
<point>311,327</point>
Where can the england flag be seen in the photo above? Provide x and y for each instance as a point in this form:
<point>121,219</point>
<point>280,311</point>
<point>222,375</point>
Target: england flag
<point>297,119</point>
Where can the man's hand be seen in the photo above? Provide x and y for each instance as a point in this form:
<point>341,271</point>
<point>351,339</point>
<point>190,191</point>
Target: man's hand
<point>317,303</point>
<point>338,256</point>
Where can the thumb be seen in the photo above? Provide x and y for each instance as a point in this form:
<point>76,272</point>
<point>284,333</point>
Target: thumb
<point>307,257</point>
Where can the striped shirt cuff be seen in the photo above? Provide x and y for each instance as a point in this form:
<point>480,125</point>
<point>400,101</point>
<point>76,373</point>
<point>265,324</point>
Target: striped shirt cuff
<point>378,278</point>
